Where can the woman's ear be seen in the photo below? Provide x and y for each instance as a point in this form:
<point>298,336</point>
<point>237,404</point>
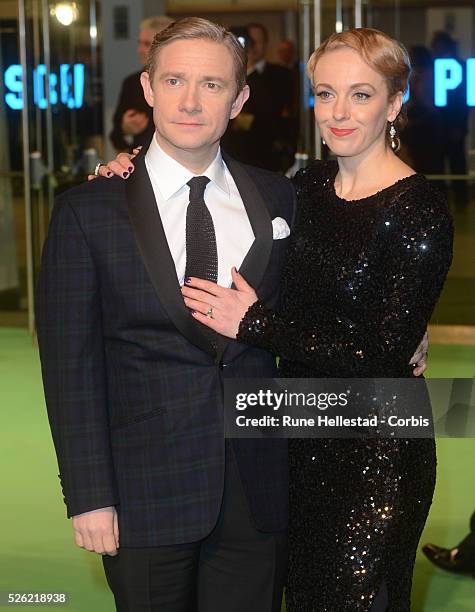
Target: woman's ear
<point>395,106</point>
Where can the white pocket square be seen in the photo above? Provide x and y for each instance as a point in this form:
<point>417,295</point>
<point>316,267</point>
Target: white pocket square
<point>280,228</point>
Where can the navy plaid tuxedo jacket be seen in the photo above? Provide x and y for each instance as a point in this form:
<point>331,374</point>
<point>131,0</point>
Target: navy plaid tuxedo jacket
<point>133,388</point>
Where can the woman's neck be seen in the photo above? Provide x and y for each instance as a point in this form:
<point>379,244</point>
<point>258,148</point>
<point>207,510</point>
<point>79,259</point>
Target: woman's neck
<point>363,175</point>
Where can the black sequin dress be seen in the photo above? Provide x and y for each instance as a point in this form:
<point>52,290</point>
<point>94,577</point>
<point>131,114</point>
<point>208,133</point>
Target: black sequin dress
<point>360,284</point>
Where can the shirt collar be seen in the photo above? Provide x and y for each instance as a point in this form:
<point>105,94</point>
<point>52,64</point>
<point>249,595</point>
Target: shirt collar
<point>258,67</point>
<point>171,176</point>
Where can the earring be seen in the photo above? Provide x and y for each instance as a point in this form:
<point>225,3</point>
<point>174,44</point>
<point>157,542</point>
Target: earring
<point>394,141</point>
<point>323,141</point>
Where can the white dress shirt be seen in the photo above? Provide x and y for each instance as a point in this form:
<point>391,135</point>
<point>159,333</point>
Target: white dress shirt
<point>234,235</point>
<point>259,67</point>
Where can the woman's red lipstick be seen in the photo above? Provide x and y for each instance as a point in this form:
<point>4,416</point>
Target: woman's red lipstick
<point>341,132</point>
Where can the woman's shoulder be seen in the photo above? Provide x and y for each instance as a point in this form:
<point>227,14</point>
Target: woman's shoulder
<point>416,192</point>
<point>416,202</point>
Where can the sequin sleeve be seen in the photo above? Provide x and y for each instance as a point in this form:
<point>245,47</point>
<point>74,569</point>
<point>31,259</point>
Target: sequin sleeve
<point>416,254</point>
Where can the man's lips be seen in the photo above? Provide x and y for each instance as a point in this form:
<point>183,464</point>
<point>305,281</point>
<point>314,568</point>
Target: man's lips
<point>342,131</point>
<point>186,124</point>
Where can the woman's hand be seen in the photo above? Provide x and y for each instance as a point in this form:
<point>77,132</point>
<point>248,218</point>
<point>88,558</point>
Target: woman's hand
<point>121,166</point>
<point>219,308</point>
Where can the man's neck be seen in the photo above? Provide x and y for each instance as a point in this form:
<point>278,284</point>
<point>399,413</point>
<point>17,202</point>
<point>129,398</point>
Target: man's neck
<point>194,160</point>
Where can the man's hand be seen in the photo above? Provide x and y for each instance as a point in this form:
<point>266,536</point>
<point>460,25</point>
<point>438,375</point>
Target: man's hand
<point>97,531</point>
<point>420,356</point>
<point>134,122</point>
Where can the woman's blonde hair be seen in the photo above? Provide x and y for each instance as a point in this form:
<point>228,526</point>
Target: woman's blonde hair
<point>386,56</point>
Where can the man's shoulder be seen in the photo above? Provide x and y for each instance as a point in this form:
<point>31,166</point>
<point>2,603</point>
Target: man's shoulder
<point>272,183</point>
<point>262,175</point>
<point>92,193</point>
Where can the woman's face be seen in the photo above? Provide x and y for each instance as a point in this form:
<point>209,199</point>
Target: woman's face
<point>351,103</point>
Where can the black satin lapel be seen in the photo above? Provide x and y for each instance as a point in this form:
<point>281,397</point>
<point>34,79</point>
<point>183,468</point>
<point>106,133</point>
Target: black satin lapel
<point>156,255</point>
<point>257,259</point>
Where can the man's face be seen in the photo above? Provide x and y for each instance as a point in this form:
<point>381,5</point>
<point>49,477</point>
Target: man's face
<point>193,96</point>
<point>144,43</point>
<point>258,48</point>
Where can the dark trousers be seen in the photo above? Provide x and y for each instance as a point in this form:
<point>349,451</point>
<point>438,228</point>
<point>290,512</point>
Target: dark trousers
<point>467,546</point>
<point>234,568</point>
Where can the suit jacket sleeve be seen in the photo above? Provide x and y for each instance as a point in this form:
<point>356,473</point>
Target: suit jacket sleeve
<point>69,324</point>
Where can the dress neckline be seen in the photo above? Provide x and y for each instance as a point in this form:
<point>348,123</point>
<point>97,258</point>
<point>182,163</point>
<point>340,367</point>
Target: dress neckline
<point>331,185</point>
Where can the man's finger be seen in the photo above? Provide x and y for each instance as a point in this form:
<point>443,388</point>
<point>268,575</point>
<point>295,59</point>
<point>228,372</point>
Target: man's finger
<point>87,541</point>
<point>78,538</point>
<point>97,543</point>
<point>115,528</point>
<point>108,544</point>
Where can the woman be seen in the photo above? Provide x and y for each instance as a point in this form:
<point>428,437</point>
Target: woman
<point>370,251</point>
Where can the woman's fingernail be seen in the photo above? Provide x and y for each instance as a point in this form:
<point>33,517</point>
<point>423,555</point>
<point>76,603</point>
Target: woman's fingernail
<point>130,168</point>
<point>187,280</point>
<point>109,174</point>
<point>193,312</point>
<point>125,174</point>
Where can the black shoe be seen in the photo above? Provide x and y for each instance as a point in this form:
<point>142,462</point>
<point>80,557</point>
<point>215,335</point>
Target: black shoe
<point>443,558</point>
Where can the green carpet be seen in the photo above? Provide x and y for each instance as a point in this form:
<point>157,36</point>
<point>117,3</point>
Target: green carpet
<point>37,549</point>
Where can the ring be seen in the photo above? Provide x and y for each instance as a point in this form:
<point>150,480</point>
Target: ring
<point>209,312</point>
<point>96,169</point>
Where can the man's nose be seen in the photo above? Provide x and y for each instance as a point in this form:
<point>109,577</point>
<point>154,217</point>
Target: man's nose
<point>190,101</point>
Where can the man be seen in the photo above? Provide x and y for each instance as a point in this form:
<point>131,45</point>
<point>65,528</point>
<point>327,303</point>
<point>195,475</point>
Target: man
<point>133,384</point>
<point>458,560</point>
<point>454,119</point>
<point>260,133</point>
<point>133,120</point>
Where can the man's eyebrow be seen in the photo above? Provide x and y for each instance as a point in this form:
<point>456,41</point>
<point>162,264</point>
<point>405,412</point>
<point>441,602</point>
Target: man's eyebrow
<point>217,79</point>
<point>180,75</point>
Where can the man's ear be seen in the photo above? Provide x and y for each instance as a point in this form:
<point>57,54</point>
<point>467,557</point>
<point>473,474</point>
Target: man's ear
<point>395,107</point>
<point>147,88</point>
<point>239,102</point>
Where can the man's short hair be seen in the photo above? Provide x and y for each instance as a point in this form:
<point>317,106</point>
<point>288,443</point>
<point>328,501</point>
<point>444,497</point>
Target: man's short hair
<point>196,28</point>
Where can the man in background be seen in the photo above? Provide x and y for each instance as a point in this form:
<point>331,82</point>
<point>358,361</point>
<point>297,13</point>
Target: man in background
<point>133,120</point>
<point>454,119</point>
<point>258,135</point>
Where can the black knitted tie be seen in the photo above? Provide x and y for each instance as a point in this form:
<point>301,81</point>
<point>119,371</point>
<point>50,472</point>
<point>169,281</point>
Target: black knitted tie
<point>201,250</point>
